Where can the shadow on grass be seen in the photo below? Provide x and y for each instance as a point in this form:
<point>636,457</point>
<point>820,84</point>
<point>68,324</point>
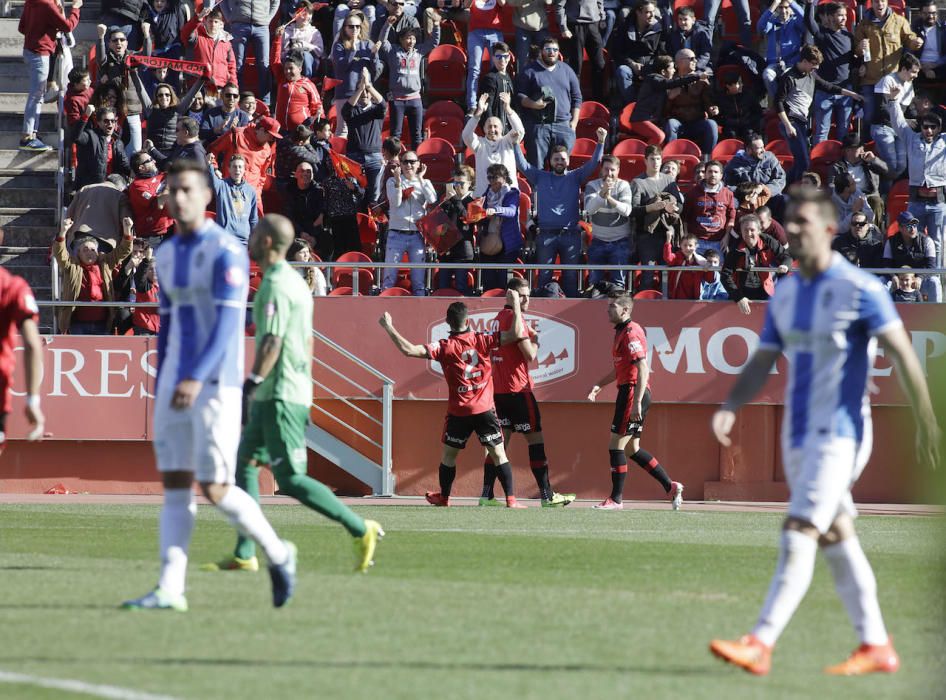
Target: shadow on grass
<point>31,568</point>
<point>389,664</point>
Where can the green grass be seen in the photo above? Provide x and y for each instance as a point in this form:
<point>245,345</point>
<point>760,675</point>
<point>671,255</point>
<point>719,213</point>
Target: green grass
<point>463,603</point>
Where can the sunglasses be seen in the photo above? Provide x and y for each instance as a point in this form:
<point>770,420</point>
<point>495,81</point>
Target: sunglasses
<point>494,177</point>
<point>912,224</point>
<point>163,94</point>
<point>231,95</point>
<point>109,121</point>
<point>409,162</point>
<point>353,26</point>
<point>501,56</point>
<point>858,223</point>
<point>931,127</point>
<point>146,162</point>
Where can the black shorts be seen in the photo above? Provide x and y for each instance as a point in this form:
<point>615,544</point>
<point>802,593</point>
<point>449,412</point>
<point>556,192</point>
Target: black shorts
<point>518,412</point>
<point>621,424</point>
<point>457,429</point>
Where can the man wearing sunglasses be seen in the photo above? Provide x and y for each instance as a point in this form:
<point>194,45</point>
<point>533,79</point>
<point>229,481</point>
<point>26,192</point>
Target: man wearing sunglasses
<point>99,153</point>
<point>225,116</point>
<point>863,245</point>
<point>926,168</point>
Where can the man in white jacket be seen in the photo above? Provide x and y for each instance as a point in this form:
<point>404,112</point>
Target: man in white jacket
<point>495,147</point>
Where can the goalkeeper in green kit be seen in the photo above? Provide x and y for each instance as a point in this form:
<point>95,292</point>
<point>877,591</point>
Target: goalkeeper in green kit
<point>277,397</point>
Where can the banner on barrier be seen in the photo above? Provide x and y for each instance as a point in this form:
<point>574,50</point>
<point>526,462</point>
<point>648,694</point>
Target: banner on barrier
<point>100,388</point>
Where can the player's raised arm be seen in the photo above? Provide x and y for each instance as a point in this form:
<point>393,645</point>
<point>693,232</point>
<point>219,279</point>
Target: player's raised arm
<point>407,348</point>
<point>33,369</point>
<point>516,332</point>
<point>897,346</point>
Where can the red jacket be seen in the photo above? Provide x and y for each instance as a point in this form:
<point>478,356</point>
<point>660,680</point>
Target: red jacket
<point>259,157</point>
<point>40,21</point>
<point>150,219</point>
<point>710,215</point>
<point>147,318</point>
<point>685,285</point>
<point>739,274</point>
<point>217,53</point>
<point>296,102</point>
<point>74,105</point>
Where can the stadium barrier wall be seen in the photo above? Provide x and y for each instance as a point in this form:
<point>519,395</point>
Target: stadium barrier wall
<point>99,389</point>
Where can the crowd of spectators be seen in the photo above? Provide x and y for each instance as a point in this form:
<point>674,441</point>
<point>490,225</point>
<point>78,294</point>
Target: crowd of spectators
<point>565,132</point>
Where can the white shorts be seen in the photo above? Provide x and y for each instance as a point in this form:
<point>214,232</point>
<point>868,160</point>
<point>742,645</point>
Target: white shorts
<point>202,439</point>
<point>820,476</point>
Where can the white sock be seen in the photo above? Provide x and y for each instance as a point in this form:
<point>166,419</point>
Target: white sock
<point>796,566</point>
<point>175,527</point>
<point>855,583</point>
<point>246,516</point>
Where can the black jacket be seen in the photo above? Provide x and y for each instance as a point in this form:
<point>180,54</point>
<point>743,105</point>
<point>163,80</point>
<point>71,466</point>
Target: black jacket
<point>92,147</point>
<point>653,96</point>
<point>700,42</point>
<point>303,207</point>
<point>189,151</point>
<point>863,252</point>
<point>873,171</point>
<point>134,10</point>
<point>631,45</point>
<point>492,84</point>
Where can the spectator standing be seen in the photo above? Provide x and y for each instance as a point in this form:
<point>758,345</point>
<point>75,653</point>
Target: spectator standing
<point>711,12</point>
<point>557,198</point>
<point>501,201</point>
<point>581,29</point>
<point>235,200</point>
<point>147,199</point>
<point>894,87</point>
<point>494,146</point>
<point>690,109</point>
<point>211,45</point>
<point>793,103</point>
<point>848,200</point>
<point>303,202</point>
<point>690,34</point>
<point>187,145</point>
<point>342,198</point>
<point>495,83</point>
<point>609,202</point>
<point>114,67</point>
<point>867,170</point>
<point>836,44</point>
<point>292,150</point>
<point>99,153</point>
<point>740,275</point>
<point>459,194</point>
<point>549,92</point>
<point>256,143</point>
<point>351,54</point>
<point>483,30</point>
<point>710,210</point>
<point>932,54</point>
<point>126,16</point>
<point>223,117</point>
<point>145,321</point>
<point>863,245</point>
<point>910,248</point>
<point>249,21</point>
<point>532,25</point>
<point>78,94</point>
<point>879,39</point>
<point>87,276</point>
<point>409,193</point>
<point>364,113</point>
<point>638,44</point>
<point>165,111</point>
<point>652,100</point>
<point>297,100</point>
<point>167,19</point>
<point>783,25</point>
<point>926,166</point>
<point>653,195</point>
<point>404,80</point>
<point>686,285</point>
<point>39,24</point>
<point>343,9</point>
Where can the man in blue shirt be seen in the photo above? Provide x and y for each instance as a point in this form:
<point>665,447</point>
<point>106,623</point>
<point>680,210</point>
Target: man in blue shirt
<point>237,210</point>
<point>557,196</point>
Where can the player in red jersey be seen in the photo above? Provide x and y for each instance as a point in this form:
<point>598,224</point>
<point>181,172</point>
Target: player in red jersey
<point>516,406</point>
<point>465,359</point>
<point>629,353</point>
<point>18,310</point>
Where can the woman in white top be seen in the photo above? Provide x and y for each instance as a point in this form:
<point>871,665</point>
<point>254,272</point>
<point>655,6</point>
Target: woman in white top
<point>409,195</point>
<point>495,147</point>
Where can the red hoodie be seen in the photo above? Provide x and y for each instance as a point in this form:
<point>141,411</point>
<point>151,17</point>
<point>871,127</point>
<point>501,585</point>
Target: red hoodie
<point>684,285</point>
<point>217,53</point>
<point>74,105</point>
<point>40,21</point>
<point>710,214</point>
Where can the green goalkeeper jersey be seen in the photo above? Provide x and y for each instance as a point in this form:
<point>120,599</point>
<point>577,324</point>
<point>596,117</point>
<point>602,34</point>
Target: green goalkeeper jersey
<point>283,308</point>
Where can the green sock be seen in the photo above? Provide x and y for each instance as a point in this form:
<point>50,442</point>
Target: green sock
<point>247,478</point>
<point>320,498</point>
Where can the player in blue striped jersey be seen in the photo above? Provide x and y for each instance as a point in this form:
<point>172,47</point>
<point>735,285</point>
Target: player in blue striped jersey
<point>827,321</point>
<point>204,274</point>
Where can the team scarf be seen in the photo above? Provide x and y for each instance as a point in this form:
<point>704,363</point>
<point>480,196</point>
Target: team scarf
<point>200,70</point>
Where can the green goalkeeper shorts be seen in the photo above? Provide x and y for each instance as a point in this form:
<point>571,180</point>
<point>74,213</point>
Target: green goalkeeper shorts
<point>275,435</point>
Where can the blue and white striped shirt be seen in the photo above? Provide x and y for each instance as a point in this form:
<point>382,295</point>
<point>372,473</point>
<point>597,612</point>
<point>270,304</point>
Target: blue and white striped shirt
<point>826,327</point>
<point>204,281</point>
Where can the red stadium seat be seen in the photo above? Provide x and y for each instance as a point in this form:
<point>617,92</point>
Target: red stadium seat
<point>828,151</point>
<point>581,152</point>
<point>523,184</point>
<point>446,292</point>
<point>681,147</point>
<point>592,115</point>
<point>624,120</point>
<point>438,147</point>
<point>726,149</point>
<point>629,147</point>
<point>587,72</point>
<point>649,294</point>
<point>897,199</point>
<point>444,119</point>
<point>446,72</point>
<point>783,152</point>
<point>394,292</point>
<point>494,293</point>
<point>341,292</point>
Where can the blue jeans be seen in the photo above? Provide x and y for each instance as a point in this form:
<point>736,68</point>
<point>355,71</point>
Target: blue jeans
<point>828,105</point>
<point>259,35</point>
<point>610,19</point>
<point>932,218</point>
<point>869,105</point>
<point>497,279</point>
<point>567,246</point>
<point>38,69</point>
<point>134,134</point>
<point>414,109</point>
<point>412,243</point>
<point>624,79</point>
<point>476,41</point>
<point>524,40</point>
<point>800,149</point>
<point>704,132</point>
<point>711,10</point>
<point>372,164</point>
<point>88,328</point>
<point>608,253</point>
<point>891,148</point>
<point>541,137</point>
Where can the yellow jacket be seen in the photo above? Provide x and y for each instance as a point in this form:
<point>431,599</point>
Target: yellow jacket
<point>72,277</point>
<point>886,43</point>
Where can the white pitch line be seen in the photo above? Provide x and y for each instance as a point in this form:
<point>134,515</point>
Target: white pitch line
<point>99,691</point>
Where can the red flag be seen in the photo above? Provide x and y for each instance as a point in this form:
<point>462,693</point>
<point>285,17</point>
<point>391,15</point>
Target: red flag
<point>377,214</point>
<point>406,193</point>
<point>346,167</point>
<point>438,230</point>
<point>329,84</point>
<point>475,211</point>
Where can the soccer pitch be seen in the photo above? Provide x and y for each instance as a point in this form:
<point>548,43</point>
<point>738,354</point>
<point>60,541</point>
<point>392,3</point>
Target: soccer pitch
<point>463,603</point>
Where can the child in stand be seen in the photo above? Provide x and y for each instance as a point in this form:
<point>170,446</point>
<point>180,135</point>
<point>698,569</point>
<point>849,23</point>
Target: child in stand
<point>906,288</point>
<point>146,321</point>
<point>300,37</point>
<point>713,290</point>
<point>686,285</point>
<point>459,193</point>
<point>78,94</point>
